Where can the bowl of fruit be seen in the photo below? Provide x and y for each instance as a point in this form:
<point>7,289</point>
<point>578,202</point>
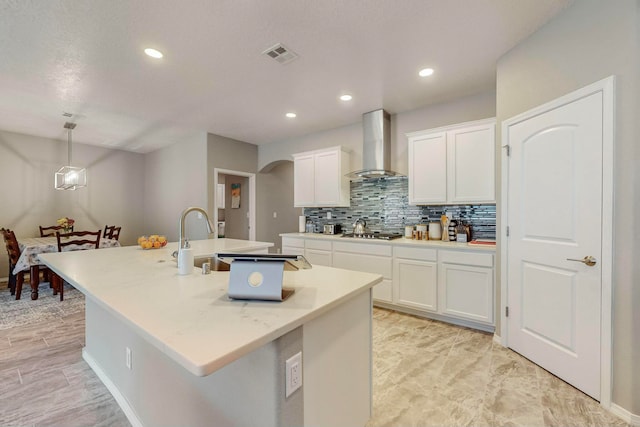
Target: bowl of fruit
<point>152,242</point>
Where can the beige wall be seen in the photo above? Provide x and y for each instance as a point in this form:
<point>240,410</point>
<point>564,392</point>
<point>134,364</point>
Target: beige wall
<point>230,154</point>
<point>176,178</point>
<point>275,194</point>
<point>114,193</point>
<point>475,107</point>
<point>589,41</point>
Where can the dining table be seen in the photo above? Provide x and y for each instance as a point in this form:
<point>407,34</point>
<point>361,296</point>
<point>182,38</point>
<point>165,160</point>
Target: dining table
<point>31,247</point>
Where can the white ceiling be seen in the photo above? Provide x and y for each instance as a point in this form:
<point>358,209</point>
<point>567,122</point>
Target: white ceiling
<point>86,58</point>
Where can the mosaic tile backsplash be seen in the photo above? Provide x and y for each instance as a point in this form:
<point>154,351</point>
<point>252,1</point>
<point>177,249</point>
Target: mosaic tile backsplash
<point>384,204</point>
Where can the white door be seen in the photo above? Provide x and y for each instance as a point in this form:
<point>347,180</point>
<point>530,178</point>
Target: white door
<point>555,191</point>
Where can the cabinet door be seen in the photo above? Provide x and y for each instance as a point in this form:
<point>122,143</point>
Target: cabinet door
<point>318,257</point>
<point>428,169</point>
<point>383,291</point>
<point>471,164</point>
<point>416,283</point>
<point>467,292</point>
<point>303,181</point>
<point>327,178</point>
<point>291,250</point>
<point>369,264</point>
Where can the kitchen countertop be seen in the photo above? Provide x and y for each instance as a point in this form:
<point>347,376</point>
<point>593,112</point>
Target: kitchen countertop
<point>190,318</point>
<point>395,242</point>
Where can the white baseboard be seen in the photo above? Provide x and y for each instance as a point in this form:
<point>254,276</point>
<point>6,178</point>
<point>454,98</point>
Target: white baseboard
<point>497,339</point>
<point>627,416</point>
<point>120,399</point>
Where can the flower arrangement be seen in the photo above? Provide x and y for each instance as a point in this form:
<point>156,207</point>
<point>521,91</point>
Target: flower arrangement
<point>66,223</point>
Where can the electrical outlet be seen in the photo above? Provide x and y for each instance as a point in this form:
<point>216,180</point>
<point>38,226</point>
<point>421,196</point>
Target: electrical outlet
<point>293,374</point>
<point>328,215</point>
<point>275,214</point>
<point>128,358</point>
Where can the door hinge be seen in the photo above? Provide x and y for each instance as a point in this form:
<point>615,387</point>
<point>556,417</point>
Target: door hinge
<point>506,311</point>
<point>507,231</point>
<point>508,148</point>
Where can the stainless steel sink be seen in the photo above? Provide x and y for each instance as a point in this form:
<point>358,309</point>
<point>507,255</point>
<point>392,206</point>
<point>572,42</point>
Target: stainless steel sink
<point>216,264</point>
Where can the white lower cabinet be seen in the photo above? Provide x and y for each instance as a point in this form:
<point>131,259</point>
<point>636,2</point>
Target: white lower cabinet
<point>415,278</point>
<point>369,259</point>
<point>466,283</point>
<point>292,246</point>
<point>454,286</point>
<point>318,252</point>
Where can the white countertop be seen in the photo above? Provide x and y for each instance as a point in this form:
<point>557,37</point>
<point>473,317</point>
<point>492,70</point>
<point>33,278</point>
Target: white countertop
<point>395,242</point>
<point>190,318</point>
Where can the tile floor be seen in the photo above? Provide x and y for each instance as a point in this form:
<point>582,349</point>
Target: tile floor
<point>429,373</point>
<point>426,373</point>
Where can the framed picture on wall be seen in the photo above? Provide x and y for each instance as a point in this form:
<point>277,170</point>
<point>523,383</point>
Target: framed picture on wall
<point>235,196</point>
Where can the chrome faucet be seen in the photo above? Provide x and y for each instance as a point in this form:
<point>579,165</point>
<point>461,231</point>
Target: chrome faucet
<point>183,241</point>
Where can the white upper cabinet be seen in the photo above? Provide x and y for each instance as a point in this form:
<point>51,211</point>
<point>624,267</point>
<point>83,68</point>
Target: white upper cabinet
<point>319,178</point>
<point>428,168</point>
<point>453,165</point>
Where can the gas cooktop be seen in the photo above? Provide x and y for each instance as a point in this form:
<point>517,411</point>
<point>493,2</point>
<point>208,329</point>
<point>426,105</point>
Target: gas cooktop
<point>374,235</point>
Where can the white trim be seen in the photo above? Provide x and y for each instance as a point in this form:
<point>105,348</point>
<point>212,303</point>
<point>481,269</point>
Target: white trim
<point>435,316</point>
<point>627,416</point>
<point>252,198</point>
<point>607,87</point>
<point>487,121</point>
<point>115,392</point>
<point>497,339</point>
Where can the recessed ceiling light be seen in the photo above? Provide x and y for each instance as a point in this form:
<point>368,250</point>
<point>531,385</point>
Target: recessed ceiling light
<point>346,97</point>
<point>153,53</point>
<point>425,72</point>
<point>291,115</point>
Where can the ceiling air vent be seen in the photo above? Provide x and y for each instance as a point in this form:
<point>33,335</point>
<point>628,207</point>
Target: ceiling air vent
<point>281,54</point>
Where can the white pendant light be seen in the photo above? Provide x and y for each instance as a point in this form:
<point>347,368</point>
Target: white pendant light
<point>70,177</point>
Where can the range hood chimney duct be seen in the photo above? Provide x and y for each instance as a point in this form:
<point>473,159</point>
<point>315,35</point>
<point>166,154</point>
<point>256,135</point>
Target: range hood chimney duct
<point>376,149</point>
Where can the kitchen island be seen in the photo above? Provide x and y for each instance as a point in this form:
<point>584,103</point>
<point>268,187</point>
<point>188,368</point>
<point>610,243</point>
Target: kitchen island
<point>175,350</point>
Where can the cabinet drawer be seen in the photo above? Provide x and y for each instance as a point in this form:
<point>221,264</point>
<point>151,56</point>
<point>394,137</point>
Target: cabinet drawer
<point>467,258</point>
<point>323,245</point>
<point>365,263</point>
<point>363,248</point>
<point>317,257</point>
<point>421,254</point>
<point>292,250</point>
<point>292,242</point>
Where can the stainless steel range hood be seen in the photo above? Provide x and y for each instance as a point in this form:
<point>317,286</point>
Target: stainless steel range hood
<point>376,150</point>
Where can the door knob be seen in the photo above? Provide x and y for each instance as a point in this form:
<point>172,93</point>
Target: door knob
<point>588,260</point>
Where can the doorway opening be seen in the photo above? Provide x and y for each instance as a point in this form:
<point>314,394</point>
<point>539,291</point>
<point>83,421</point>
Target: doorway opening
<point>234,214</point>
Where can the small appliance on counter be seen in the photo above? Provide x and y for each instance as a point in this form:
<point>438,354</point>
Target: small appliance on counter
<point>332,229</point>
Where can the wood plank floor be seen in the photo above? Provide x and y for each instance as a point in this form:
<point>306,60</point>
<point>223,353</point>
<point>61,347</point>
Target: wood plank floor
<point>426,373</point>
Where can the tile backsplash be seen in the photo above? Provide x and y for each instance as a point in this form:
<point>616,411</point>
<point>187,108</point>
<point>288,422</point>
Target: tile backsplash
<point>384,204</point>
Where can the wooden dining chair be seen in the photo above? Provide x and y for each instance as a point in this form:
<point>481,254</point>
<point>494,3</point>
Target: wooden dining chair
<point>111,232</point>
<point>115,235</point>
<point>12,277</point>
<point>74,241</point>
<point>13,250</point>
<point>51,231</point>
